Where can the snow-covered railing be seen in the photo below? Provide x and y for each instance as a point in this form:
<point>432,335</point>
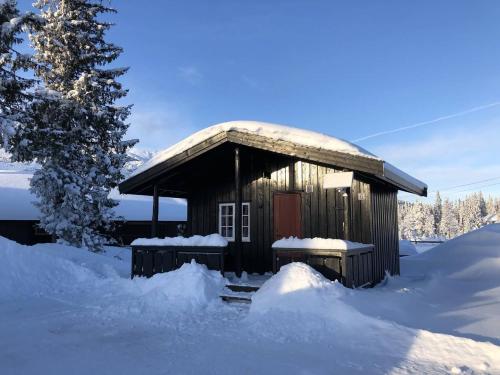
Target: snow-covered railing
<point>156,255</point>
<point>346,261</point>
<point>211,240</point>
<point>318,243</point>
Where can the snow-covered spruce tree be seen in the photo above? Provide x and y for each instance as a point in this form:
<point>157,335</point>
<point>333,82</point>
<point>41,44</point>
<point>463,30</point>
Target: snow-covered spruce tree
<point>449,226</point>
<point>76,133</point>
<point>437,209</point>
<point>14,94</point>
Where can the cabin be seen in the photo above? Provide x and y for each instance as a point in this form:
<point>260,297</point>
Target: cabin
<point>255,183</point>
<point>19,217</point>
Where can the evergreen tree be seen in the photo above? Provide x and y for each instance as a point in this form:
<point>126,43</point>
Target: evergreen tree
<point>437,213</point>
<point>13,87</point>
<point>76,130</point>
<point>482,205</point>
<point>448,226</point>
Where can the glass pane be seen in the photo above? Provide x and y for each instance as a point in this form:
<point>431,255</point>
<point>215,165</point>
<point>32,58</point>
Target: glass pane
<point>223,210</point>
<point>245,209</point>
<point>223,221</point>
<point>229,210</point>
<point>223,232</point>
<point>245,221</point>
<point>229,232</point>
<point>244,232</point>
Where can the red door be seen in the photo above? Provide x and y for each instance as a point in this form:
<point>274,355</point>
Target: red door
<point>287,215</point>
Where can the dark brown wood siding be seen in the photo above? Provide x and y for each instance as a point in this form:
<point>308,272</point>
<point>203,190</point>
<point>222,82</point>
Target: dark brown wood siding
<point>323,211</point>
<point>384,231</point>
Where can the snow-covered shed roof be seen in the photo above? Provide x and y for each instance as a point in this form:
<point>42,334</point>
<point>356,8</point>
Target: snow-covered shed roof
<point>16,201</point>
<point>305,144</point>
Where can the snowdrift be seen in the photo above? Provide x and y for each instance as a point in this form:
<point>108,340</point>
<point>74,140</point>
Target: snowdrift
<point>299,304</point>
<point>472,256</point>
<point>192,286</point>
<point>51,269</point>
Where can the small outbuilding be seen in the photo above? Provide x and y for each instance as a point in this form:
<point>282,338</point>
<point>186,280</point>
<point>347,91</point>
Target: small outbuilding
<point>19,216</point>
<point>255,183</point>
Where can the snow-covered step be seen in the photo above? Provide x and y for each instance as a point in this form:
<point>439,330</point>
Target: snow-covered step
<point>242,288</point>
<point>238,294</point>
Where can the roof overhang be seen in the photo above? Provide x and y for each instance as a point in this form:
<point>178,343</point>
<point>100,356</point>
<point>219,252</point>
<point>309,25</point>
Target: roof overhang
<point>373,166</point>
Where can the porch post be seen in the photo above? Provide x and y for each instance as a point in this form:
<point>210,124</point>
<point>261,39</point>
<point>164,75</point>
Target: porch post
<point>237,213</point>
<point>154,221</point>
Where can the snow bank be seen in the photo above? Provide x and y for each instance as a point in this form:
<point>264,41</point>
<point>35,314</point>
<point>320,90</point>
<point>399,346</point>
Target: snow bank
<point>215,240</point>
<point>406,248</point>
<point>272,131</point>
<point>317,243</point>
<point>52,269</point>
<point>299,305</point>
<point>472,256</point>
<point>30,271</point>
<point>305,297</point>
<point>191,286</point>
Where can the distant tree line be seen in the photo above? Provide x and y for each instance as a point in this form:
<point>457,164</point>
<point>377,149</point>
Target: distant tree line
<point>446,218</point>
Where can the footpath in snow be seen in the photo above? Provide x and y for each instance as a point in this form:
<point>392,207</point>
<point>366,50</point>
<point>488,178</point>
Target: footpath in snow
<point>68,310</point>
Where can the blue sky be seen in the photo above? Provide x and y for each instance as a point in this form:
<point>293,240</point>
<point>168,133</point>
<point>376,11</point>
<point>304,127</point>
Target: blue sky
<point>348,69</point>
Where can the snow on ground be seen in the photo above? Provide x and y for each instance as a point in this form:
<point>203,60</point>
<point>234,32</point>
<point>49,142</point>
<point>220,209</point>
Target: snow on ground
<point>453,288</point>
<point>407,248</point>
<point>68,310</point>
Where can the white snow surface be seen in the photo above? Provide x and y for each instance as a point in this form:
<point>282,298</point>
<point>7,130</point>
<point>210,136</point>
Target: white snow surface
<point>214,239</point>
<point>317,243</point>
<point>406,248</point>
<point>64,309</point>
<point>272,131</point>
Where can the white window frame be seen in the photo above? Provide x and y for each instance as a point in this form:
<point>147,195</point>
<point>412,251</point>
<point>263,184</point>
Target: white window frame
<point>220,219</point>
<point>233,205</point>
<point>245,239</point>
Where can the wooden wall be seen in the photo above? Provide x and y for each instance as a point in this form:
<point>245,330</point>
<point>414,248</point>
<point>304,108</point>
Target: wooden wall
<point>384,203</point>
<point>323,210</point>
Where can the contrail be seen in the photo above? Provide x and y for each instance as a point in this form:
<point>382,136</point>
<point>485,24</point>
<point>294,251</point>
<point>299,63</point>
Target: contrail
<point>419,124</point>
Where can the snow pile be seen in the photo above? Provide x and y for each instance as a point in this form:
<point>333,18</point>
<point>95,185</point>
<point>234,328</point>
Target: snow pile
<point>299,305</point>
<point>473,256</point>
<point>406,248</point>
<point>192,286</point>
<point>317,243</point>
<point>30,271</point>
<point>272,131</point>
<point>215,240</point>
<point>298,288</point>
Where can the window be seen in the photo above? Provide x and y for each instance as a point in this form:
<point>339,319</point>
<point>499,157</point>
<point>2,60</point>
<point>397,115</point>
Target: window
<point>226,221</point>
<point>245,222</point>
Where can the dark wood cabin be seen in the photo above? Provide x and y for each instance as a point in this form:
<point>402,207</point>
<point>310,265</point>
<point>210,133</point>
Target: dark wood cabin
<point>254,189</point>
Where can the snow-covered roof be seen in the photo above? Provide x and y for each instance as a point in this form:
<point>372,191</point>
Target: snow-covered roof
<point>273,131</point>
<point>16,201</point>
<point>296,136</point>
